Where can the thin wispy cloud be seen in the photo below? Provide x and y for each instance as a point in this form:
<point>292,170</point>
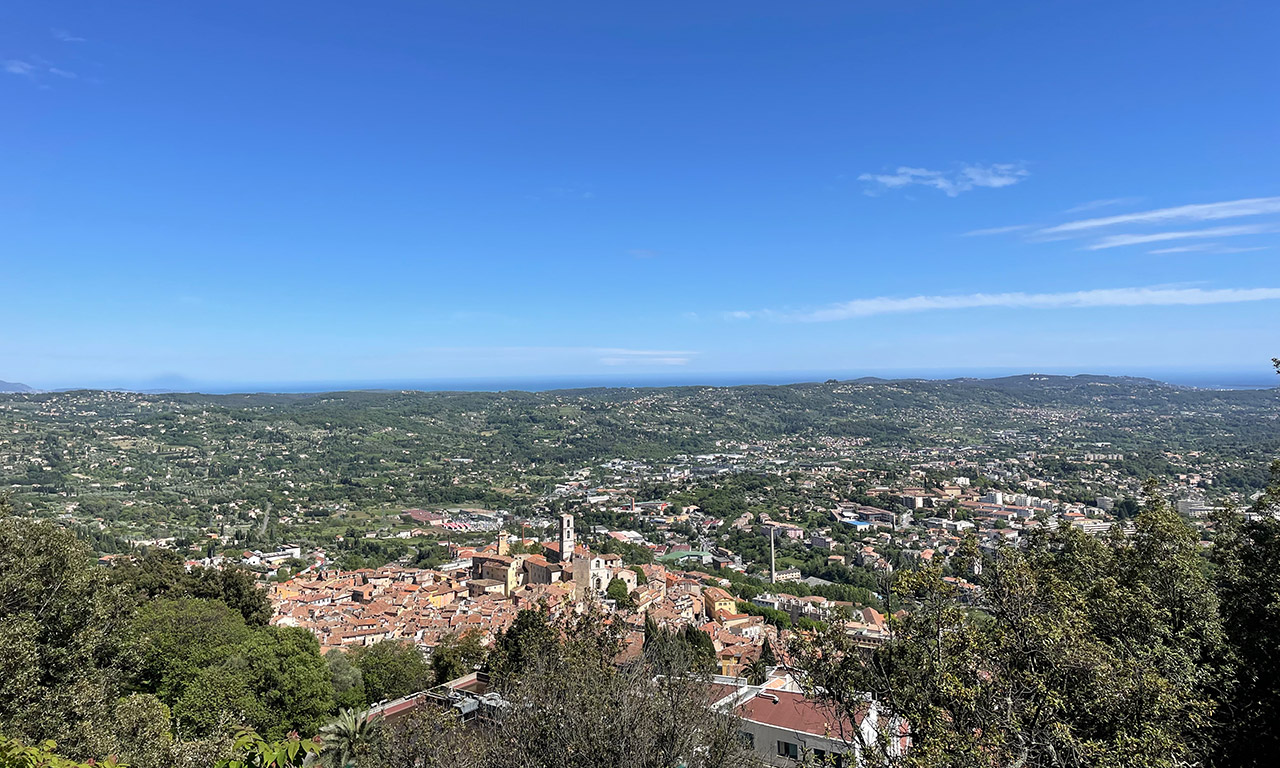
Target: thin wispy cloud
<point>1094,205</point>
<point>1256,206</point>
<point>64,36</point>
<point>643,253</point>
<point>950,183</point>
<point>1116,241</point>
<point>36,69</point>
<point>644,357</point>
<point>1153,296</point>
<point>18,67</point>
<point>1207,248</point>
<point>997,230</point>
<point>565,357</point>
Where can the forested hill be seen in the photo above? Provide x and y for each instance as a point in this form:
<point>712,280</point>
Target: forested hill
<point>582,424</point>
<point>179,458</point>
<point>572,426</point>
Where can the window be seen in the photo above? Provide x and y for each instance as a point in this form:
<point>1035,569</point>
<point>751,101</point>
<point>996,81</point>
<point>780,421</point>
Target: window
<point>789,749</point>
<point>747,738</point>
<point>824,758</point>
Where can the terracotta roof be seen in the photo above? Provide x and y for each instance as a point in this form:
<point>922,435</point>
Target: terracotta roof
<point>794,712</point>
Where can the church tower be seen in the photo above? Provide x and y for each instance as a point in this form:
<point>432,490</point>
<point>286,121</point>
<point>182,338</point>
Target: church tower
<point>566,538</point>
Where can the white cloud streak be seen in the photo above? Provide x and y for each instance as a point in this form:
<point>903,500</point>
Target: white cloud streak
<point>1206,248</point>
<point>996,230</point>
<point>644,357</point>
<point>952,183</point>
<point>1154,296</point>
<point>1094,205</point>
<point>1255,206</point>
<point>35,69</point>
<point>64,36</point>
<point>16,67</point>
<point>1116,241</point>
<point>1198,247</point>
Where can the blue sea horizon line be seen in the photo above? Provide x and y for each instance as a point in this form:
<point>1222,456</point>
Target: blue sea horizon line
<point>1199,378</point>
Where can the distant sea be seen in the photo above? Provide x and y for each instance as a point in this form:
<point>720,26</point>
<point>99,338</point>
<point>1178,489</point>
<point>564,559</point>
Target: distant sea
<point>1262,378</point>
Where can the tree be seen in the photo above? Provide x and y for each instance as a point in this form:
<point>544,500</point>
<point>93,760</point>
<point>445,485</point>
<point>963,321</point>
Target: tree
<point>253,751</point>
<point>61,628</point>
<point>756,672</point>
<point>575,706</point>
<point>1248,558</point>
<point>391,669</point>
<point>617,591</point>
<point>523,645</point>
<point>286,670</point>
<point>236,587</point>
<point>457,655</point>
<point>16,754</point>
<point>347,681</point>
<point>276,682</point>
<point>162,573</point>
<point>353,736</point>
<point>766,654</point>
<point>428,737</point>
<point>173,640</point>
<point>218,699</point>
<point>701,647</point>
<point>1084,652</point>
<point>140,734</point>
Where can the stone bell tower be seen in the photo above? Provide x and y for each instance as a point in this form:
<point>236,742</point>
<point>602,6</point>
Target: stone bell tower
<point>567,542</point>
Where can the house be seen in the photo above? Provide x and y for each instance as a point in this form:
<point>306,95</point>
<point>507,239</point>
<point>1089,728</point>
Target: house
<point>539,571</point>
<point>716,599</point>
<point>788,574</point>
<point>785,727</point>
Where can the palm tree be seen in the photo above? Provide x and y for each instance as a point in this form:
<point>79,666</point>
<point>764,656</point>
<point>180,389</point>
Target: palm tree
<point>351,735</point>
<point>756,672</point>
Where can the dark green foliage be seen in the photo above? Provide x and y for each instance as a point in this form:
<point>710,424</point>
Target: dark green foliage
<point>617,591</point>
<point>61,628</point>
<point>175,640</point>
<point>252,751</point>
<point>767,655</point>
<point>276,682</point>
<point>391,669</point>
<point>1086,652</point>
<point>347,681</point>
<point>1248,558</point>
<point>456,656</point>
<point>779,619</point>
<point>685,648</point>
<point>161,573</point>
<point>352,738</point>
<point>523,645</point>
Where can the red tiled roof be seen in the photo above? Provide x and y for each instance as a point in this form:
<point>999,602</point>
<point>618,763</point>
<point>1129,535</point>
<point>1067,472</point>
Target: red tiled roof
<point>794,712</point>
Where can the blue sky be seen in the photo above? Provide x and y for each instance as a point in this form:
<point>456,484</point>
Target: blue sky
<point>314,191</point>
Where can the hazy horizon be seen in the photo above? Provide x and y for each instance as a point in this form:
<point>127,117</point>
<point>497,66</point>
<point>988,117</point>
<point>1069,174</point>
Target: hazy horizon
<point>1261,377</point>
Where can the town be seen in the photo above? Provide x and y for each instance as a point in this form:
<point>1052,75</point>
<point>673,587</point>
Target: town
<point>752,544</point>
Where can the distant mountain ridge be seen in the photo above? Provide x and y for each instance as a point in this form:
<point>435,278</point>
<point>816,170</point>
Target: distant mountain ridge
<point>13,386</point>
